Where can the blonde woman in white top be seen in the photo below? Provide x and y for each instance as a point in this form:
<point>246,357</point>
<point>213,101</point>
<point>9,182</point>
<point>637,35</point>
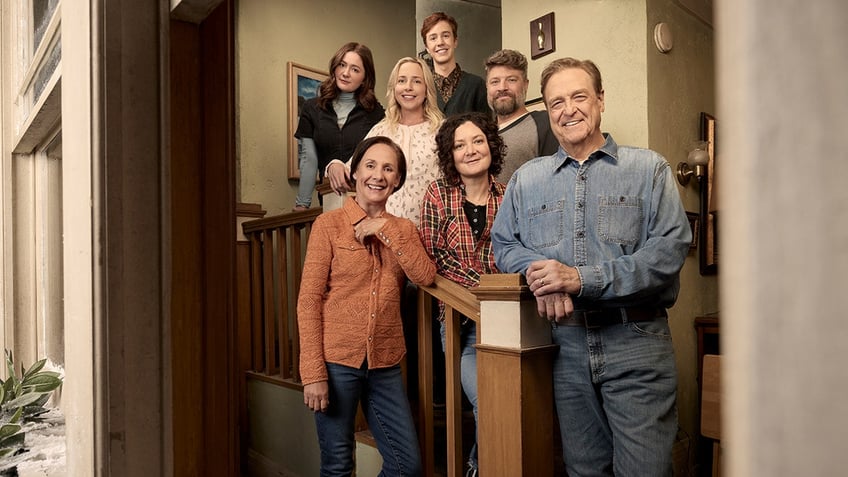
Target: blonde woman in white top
<point>412,120</point>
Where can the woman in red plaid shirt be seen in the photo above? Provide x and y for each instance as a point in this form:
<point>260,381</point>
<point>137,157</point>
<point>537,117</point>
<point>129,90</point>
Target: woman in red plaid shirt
<point>456,215</point>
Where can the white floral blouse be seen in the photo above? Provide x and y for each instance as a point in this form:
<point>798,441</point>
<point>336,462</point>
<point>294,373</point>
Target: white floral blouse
<point>418,143</point>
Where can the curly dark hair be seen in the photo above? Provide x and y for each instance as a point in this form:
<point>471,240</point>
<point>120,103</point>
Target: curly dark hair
<point>445,139</point>
<point>366,144</point>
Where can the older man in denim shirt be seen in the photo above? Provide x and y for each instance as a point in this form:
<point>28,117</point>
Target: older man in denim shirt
<point>599,232</point>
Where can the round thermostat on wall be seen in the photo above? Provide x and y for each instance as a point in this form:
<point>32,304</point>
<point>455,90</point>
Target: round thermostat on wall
<point>663,37</point>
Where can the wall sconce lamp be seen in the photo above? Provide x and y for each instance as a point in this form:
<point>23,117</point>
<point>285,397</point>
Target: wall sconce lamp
<point>699,157</point>
<point>697,165</point>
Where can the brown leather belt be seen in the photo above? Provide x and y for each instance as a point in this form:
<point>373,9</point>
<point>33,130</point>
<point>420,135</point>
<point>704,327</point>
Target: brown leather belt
<point>611,316</point>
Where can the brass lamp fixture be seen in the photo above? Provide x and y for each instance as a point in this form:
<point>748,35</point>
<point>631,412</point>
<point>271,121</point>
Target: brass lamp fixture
<point>699,157</point>
<point>697,165</point>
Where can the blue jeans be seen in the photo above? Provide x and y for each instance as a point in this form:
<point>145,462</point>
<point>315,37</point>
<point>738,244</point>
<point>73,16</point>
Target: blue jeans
<point>615,389</point>
<point>467,372</point>
<point>308,171</point>
<point>384,403</point>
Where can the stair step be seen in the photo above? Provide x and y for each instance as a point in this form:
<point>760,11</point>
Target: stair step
<point>365,437</point>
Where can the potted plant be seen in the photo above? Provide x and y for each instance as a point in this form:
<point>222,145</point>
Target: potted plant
<point>22,399</point>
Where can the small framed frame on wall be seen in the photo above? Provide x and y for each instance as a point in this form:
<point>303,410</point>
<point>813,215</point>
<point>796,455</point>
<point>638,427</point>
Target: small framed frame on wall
<point>694,224</point>
<point>535,104</point>
<point>542,36</point>
<point>709,202</point>
<point>303,84</point>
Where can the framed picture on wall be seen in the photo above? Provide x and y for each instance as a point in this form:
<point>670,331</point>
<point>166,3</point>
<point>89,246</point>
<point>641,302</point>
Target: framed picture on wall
<point>542,36</point>
<point>709,249</point>
<point>535,104</point>
<point>303,84</point>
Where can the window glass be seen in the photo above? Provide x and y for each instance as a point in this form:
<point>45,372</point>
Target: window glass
<point>42,10</point>
<point>46,70</point>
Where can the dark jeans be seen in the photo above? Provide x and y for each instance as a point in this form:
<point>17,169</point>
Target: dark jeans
<point>384,403</point>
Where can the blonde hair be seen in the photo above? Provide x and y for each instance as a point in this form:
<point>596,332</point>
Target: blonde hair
<point>432,114</point>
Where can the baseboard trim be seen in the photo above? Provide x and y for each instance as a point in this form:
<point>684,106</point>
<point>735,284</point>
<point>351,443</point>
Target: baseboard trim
<point>260,466</point>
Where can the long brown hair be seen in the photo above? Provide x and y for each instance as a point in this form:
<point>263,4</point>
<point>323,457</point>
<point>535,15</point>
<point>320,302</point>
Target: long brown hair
<point>328,91</point>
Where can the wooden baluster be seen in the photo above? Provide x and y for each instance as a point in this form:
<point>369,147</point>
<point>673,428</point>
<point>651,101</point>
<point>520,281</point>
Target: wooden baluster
<point>425,381</point>
<point>453,393</point>
<point>268,300</point>
<point>282,291</point>
<point>256,301</point>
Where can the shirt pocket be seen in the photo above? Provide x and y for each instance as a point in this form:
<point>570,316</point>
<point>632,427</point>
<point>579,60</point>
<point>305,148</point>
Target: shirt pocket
<point>545,224</point>
<point>620,219</point>
<point>350,260</point>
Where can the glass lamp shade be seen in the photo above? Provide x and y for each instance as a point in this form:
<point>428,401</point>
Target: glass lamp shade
<point>698,157</point>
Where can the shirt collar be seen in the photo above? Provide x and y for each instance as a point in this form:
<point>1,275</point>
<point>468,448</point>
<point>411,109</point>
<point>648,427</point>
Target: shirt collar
<point>610,149</point>
<point>453,75</point>
<point>493,188</point>
<point>354,212</point>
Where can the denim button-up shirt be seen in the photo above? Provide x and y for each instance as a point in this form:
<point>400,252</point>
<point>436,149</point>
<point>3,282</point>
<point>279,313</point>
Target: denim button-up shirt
<point>617,218</point>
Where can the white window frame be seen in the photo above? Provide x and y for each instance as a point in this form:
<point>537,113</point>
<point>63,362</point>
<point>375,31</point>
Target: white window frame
<point>35,117</point>
<point>30,125</point>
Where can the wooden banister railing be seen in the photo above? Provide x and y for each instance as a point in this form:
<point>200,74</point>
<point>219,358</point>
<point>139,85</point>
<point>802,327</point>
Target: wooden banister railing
<point>277,247</point>
<point>458,302</point>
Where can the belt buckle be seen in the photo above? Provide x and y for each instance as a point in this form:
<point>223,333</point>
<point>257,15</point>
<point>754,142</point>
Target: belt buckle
<point>590,322</point>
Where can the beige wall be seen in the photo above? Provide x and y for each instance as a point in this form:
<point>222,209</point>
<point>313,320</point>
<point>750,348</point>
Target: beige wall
<point>293,453</point>
<point>583,30</point>
<point>652,100</point>
<point>269,34</point>
<point>681,84</point>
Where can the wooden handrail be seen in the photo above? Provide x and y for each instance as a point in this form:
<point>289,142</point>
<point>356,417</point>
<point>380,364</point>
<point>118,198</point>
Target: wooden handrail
<point>282,220</point>
<point>456,296</point>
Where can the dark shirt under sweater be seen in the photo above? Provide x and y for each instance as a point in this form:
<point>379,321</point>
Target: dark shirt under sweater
<point>332,142</point>
<point>468,95</point>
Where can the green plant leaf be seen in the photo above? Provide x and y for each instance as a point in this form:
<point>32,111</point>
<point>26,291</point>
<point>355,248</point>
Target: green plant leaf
<point>9,389</point>
<point>2,394</point>
<point>14,440</point>
<point>8,430</point>
<point>9,365</point>
<point>43,382</point>
<point>37,408</point>
<point>36,367</point>
<point>17,416</point>
<point>24,400</point>
<point>54,374</point>
<point>5,452</point>
<point>41,401</point>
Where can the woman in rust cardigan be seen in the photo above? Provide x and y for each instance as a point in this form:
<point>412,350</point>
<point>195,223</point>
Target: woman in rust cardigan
<point>351,335</point>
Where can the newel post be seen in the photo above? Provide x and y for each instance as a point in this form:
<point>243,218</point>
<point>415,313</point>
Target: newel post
<point>514,381</point>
